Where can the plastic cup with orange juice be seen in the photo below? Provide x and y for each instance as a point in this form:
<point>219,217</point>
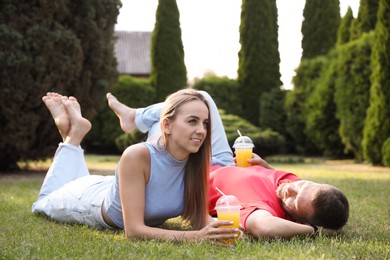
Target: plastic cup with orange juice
<point>243,149</point>
<point>228,208</point>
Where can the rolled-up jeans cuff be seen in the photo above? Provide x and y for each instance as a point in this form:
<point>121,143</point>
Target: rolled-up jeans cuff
<point>139,122</point>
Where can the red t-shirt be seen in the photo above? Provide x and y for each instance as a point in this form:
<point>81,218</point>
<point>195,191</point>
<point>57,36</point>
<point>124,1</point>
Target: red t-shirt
<point>254,186</point>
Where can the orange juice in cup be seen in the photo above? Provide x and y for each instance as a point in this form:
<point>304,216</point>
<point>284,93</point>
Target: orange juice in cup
<point>243,149</point>
<point>228,208</point>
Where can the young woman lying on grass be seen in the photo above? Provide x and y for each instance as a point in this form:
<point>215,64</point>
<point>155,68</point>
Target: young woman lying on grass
<point>154,181</point>
<point>274,203</point>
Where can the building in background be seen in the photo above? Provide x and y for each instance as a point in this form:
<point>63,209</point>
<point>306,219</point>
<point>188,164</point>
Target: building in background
<point>132,51</point>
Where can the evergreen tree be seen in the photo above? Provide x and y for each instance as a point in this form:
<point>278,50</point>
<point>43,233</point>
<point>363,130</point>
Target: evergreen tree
<point>352,91</point>
<point>366,20</point>
<point>343,34</point>
<point>320,109</point>
<point>169,72</point>
<point>367,15</point>
<point>307,76</point>
<point>272,114</point>
<point>259,59</point>
<point>50,46</point>
<point>377,123</point>
<point>320,26</point>
<point>93,24</point>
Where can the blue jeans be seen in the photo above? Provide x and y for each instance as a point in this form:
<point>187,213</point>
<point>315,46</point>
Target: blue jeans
<point>69,194</point>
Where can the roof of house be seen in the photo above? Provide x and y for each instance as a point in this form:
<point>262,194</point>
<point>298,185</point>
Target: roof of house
<point>132,51</point>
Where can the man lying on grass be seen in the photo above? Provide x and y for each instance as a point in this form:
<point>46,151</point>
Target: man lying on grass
<point>274,203</point>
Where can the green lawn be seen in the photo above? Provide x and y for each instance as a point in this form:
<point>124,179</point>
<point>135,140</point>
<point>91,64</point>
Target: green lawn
<point>366,236</point>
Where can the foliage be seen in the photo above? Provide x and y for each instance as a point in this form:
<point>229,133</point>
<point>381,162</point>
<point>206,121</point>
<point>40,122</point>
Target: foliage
<point>125,140</point>
<point>259,59</point>
<point>272,113</point>
<point>49,46</point>
<point>169,72</point>
<point>386,153</point>
<point>343,33</point>
<point>223,90</point>
<point>319,27</point>
<point>352,91</point>
<point>266,141</point>
<point>377,123</point>
<point>367,15</point>
<point>321,122</point>
<point>134,92</point>
<point>307,75</point>
<point>25,235</point>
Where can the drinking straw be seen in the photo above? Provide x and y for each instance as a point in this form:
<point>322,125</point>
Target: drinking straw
<point>220,191</point>
<point>243,140</point>
<point>227,201</point>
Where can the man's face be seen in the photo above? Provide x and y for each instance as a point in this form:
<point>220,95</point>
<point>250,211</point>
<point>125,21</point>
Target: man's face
<point>297,197</point>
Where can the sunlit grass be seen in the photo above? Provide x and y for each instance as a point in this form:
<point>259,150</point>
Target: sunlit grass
<point>366,235</point>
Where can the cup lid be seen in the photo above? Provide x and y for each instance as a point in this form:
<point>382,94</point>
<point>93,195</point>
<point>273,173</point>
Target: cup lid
<point>227,201</point>
<point>243,142</point>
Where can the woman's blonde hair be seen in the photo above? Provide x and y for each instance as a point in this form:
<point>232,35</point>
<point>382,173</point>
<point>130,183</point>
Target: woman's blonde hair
<point>196,178</point>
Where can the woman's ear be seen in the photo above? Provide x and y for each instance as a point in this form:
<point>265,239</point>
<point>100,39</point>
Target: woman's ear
<point>166,126</point>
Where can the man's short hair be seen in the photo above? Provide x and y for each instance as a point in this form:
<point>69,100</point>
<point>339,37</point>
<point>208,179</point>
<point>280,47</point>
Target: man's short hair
<point>331,208</point>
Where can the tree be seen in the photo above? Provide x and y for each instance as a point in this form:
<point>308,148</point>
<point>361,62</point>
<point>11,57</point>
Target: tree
<point>343,33</point>
<point>93,24</point>
<point>272,113</point>
<point>367,15</point>
<point>352,91</point>
<point>169,73</point>
<point>50,46</point>
<point>307,76</point>
<point>320,109</point>
<point>377,123</point>
<point>259,59</point>
<point>366,19</point>
<point>320,26</point>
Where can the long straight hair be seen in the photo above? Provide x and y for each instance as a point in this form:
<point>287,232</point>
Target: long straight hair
<point>196,178</point>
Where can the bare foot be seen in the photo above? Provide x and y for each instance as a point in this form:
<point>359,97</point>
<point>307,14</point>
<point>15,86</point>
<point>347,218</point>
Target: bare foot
<point>54,102</point>
<point>79,126</point>
<point>125,114</point>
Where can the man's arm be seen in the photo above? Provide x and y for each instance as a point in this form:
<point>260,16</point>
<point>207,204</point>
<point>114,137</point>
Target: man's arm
<point>262,224</point>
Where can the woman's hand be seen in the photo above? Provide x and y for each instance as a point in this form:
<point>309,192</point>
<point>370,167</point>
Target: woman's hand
<point>215,233</point>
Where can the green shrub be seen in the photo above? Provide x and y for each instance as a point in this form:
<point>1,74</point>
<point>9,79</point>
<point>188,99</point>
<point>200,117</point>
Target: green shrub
<point>223,90</point>
<point>377,124</point>
<point>386,153</point>
<point>266,142</point>
<point>352,91</point>
<point>125,140</point>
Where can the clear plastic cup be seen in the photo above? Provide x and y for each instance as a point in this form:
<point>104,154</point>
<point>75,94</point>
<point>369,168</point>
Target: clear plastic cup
<point>243,149</point>
<point>228,208</point>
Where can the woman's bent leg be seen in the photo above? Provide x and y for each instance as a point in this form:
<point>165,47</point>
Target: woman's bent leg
<point>77,202</point>
<point>68,165</point>
<point>148,120</point>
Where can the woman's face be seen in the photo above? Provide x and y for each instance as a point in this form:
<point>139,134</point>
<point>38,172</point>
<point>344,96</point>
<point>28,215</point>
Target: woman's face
<point>187,132</point>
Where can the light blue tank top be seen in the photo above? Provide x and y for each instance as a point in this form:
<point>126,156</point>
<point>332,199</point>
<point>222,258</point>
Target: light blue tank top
<point>164,196</point>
